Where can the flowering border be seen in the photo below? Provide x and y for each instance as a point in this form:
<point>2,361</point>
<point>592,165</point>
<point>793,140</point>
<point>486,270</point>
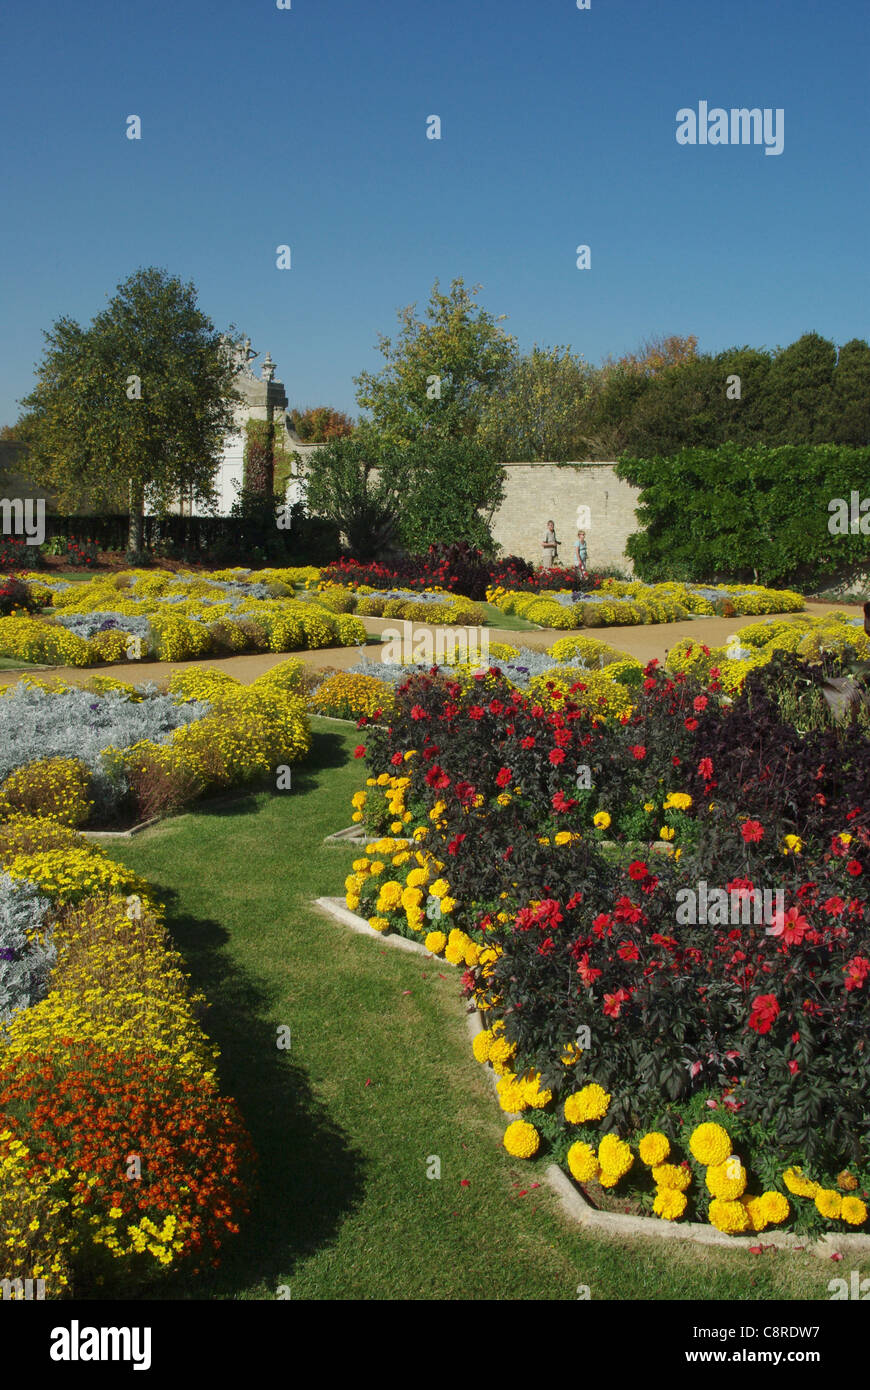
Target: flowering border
<point>572,1200</point>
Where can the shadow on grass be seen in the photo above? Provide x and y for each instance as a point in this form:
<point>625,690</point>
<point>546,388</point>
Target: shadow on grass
<point>310,1178</point>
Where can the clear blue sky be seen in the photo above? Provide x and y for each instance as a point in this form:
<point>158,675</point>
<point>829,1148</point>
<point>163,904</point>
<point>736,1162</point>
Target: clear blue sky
<point>308,126</point>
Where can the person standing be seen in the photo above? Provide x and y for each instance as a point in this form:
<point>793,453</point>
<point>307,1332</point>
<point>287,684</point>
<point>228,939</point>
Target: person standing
<point>550,545</point>
<point>580,551</point>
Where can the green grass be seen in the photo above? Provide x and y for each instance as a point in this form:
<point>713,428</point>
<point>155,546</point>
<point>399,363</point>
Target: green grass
<point>14,663</point>
<point>345,1209</point>
<point>513,621</point>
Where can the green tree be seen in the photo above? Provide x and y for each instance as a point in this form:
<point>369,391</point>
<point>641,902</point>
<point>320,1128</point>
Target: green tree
<point>800,392</point>
<point>535,411</point>
<point>451,490</point>
<point>135,407</point>
<point>357,482</point>
<point>852,394</point>
<point>439,371</point>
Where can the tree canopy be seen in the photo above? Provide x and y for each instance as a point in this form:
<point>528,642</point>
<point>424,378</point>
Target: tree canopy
<point>136,407</point>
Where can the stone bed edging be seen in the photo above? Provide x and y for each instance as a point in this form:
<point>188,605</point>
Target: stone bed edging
<point>571,1199</point>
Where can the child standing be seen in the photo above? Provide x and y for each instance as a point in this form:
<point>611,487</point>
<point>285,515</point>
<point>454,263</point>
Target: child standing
<point>580,551</point>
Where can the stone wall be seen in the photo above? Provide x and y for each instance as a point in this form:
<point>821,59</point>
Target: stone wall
<point>536,493</point>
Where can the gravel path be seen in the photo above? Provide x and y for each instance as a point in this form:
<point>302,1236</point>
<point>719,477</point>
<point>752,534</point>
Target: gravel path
<point>643,642</point>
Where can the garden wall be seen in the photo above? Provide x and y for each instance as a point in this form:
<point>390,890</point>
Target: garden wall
<point>538,492</point>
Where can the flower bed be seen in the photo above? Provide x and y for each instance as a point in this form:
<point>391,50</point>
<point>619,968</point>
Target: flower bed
<point>620,602</point>
<point>111,753</point>
<point>138,614</point>
<point>424,605</point>
<point>459,568</point>
<point>120,1158</point>
<point>628,1003</point>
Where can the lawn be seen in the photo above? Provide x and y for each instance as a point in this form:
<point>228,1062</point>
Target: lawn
<point>379,1077</point>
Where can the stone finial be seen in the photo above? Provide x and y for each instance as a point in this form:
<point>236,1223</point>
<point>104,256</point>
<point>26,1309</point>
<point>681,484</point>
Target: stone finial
<point>268,367</point>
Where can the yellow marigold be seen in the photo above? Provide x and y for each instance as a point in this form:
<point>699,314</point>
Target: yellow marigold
<point>846,1181</point>
<point>730,1217</point>
<point>563,837</point>
<point>511,1095</point>
<point>654,1148</point>
<point>669,1203</point>
<point>710,1144</point>
<point>589,1104</point>
<point>411,899</point>
<point>379,923</point>
<point>829,1203</point>
<point>797,1184</point>
<point>754,1208</point>
<point>435,942</point>
<point>571,1054</point>
<point>447,905</point>
<point>439,888</point>
<point>501,1050</point>
<point>667,832</point>
<point>390,895</point>
<point>455,954</point>
<point>351,901</point>
<point>680,801</point>
<point>481,1044</point>
<point>582,1162</point>
<point>853,1211</point>
<point>417,878</point>
<point>792,844</point>
<point>521,1139</point>
<point>775,1206</point>
<point>615,1156</point>
<point>533,1093</point>
<point>672,1175</point>
<point>726,1180</point>
<point>601,820</point>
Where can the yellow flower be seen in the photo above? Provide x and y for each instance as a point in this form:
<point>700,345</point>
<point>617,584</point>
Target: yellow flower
<point>601,820</point>
<point>589,1104</point>
<point>379,923</point>
<point>667,832</point>
<point>447,905</point>
<point>669,1203</point>
<point>680,801</point>
<point>481,1044</point>
<point>792,844</point>
<point>726,1180</point>
<point>797,1184</point>
<point>853,1211</point>
<point>829,1203</point>
<point>435,942</point>
<point>649,806</point>
<point>439,887</point>
<point>672,1175</point>
<point>582,1162</point>
<point>615,1156</point>
<point>730,1217</point>
<point>775,1206</point>
<point>710,1143</point>
<point>654,1148</point>
<point>521,1139</point>
<point>504,799</point>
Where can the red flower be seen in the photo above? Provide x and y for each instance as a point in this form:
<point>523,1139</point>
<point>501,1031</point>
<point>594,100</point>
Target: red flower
<point>705,768</point>
<point>527,742</point>
<point>791,926</point>
<point>437,777</point>
<point>637,751</point>
<point>764,1012</point>
<point>503,777</point>
<point>700,703</point>
<point>613,1002</point>
<point>752,831</point>
<point>691,725</point>
<point>396,759</point>
<point>476,712</point>
<point>418,712</point>
<point>637,870</point>
<point>359,751</point>
<point>856,972</point>
<point>834,906</point>
<point>793,1068</point>
<point>854,868</point>
<point>627,950</point>
<point>556,756</point>
<point>453,847</point>
<point>563,803</point>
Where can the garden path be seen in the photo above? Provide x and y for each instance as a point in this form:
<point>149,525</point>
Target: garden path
<point>644,642</point>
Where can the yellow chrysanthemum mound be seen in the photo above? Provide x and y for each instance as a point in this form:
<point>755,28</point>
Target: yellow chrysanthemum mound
<point>615,1158</point>
<point>521,1139</point>
<point>672,1175</point>
<point>797,1184</point>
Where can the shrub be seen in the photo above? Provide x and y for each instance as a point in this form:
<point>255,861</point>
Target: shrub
<point>54,787</point>
<point>27,953</point>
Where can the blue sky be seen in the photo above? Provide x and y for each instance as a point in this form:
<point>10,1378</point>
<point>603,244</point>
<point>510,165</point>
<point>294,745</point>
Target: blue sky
<point>307,127</point>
